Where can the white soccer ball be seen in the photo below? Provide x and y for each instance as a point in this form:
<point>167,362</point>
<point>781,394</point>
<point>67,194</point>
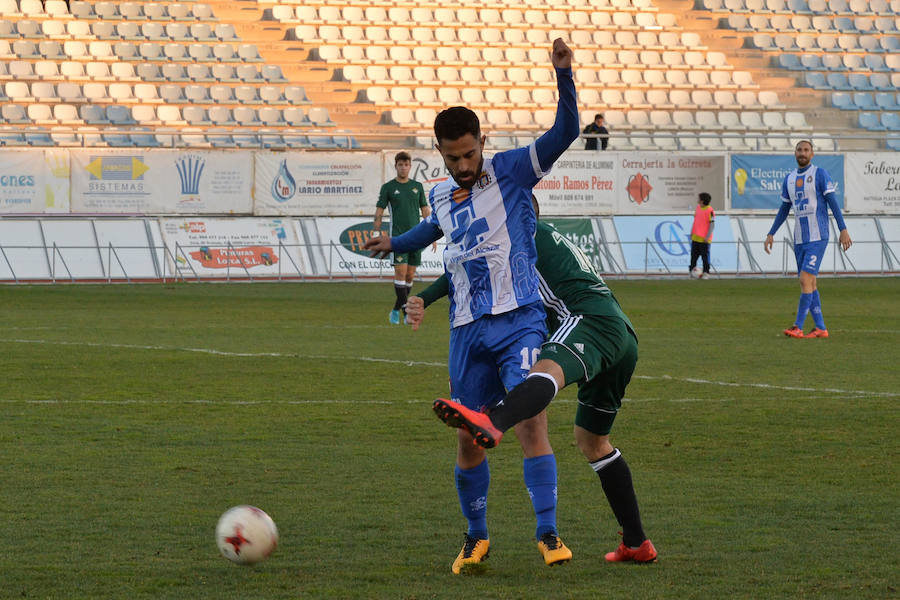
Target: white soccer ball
<point>697,272</point>
<point>246,535</point>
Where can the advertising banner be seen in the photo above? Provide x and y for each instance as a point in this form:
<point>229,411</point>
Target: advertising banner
<point>339,250</point>
<point>161,182</point>
<point>756,179</point>
<point>233,247</point>
<point>663,243</point>
<point>34,181</point>
<point>580,183</point>
<point>317,183</point>
<point>653,182</point>
<point>581,233</point>
<point>427,168</point>
<point>875,181</point>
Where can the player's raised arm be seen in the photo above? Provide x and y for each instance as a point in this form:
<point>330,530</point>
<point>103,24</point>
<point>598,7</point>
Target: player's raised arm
<point>565,130</point>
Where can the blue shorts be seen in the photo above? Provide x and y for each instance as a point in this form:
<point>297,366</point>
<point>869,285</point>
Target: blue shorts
<point>493,354</point>
<point>809,256</point>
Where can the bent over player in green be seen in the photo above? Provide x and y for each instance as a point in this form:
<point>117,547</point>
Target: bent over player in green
<point>594,344</point>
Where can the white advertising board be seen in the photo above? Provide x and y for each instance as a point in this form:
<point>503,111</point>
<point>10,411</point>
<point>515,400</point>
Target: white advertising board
<point>161,182</point>
<point>34,181</point>
<point>579,184</point>
<point>873,182</point>
<point>243,247</point>
<point>338,250</point>
<point>317,183</point>
<point>657,182</point>
<point>588,183</point>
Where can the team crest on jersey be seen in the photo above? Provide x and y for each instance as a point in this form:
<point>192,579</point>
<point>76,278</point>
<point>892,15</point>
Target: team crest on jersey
<point>799,182</point>
<point>809,179</point>
<point>484,180</point>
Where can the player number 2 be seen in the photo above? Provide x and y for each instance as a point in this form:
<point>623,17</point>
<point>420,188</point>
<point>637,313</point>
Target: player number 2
<point>533,352</point>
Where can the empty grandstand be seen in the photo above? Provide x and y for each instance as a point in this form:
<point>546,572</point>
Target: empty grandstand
<point>739,75</point>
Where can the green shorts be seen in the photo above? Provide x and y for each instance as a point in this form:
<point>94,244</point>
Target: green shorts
<point>413,259</point>
<point>600,353</point>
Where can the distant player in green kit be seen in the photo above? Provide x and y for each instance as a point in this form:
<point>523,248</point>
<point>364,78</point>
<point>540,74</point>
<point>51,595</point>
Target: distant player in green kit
<point>407,200</point>
<point>593,343</point>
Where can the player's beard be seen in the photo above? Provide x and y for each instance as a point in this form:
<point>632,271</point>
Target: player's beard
<point>469,177</point>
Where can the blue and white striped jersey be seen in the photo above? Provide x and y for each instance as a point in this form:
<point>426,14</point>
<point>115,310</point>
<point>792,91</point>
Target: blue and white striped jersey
<point>805,190</point>
<point>490,253</point>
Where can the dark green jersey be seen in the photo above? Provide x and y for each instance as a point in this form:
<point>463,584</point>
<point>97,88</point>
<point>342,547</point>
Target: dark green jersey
<point>569,283</point>
<point>405,200</point>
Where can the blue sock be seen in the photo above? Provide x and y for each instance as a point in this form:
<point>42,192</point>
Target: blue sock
<point>472,487</point>
<point>815,307</point>
<point>802,309</point>
<point>540,479</point>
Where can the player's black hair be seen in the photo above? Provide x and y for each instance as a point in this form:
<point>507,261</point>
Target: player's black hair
<point>705,198</point>
<point>455,122</point>
<point>598,116</point>
<point>402,155</point>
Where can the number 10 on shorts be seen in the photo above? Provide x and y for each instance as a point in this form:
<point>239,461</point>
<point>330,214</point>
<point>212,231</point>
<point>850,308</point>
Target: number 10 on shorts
<point>529,353</point>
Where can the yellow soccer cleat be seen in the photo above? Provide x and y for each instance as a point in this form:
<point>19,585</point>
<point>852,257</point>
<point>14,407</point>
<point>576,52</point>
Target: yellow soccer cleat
<point>553,550</point>
<point>474,551</point>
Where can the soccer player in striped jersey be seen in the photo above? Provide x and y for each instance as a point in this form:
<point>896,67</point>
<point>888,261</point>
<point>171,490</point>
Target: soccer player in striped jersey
<point>810,190</point>
<point>594,344</point>
<point>496,315</point>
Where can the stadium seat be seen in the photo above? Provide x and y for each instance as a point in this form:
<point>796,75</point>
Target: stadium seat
<point>684,119</point>
<point>196,115</point>
<point>201,32</point>
<point>706,120</point>
<point>170,72</point>
<point>890,121</point>
<point>837,81</point>
<point>69,92</point>
<point>774,120</point>
<point>93,114</point>
<point>222,94</point>
<point>886,101</point>
<point>859,81</point>
<point>196,94</point>
<point>199,73</point>
<point>817,81</point>
<point>144,114</point>
<point>842,100</point>
<point>66,114</point>
<point>863,101</point>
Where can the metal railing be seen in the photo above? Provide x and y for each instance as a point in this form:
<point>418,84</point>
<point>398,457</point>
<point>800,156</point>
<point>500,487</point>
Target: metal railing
<point>61,263</point>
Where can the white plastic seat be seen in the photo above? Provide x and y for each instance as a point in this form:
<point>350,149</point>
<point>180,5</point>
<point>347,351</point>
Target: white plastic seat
<point>774,121</point>
<point>706,119</point>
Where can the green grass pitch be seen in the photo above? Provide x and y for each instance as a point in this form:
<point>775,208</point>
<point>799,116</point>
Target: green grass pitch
<point>131,417</point>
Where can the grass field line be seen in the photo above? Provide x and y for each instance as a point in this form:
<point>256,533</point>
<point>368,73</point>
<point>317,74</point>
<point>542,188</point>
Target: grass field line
<point>693,380</point>
<point>411,363</point>
<point>787,388</point>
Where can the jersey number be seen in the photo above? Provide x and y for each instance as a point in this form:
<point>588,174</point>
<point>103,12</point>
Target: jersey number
<point>529,353</point>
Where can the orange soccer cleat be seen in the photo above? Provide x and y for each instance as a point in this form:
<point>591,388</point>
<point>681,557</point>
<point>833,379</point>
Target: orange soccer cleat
<point>478,424</point>
<point>817,333</point>
<point>794,332</point>
<point>645,553</point>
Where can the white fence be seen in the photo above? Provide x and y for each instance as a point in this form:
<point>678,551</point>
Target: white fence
<point>65,249</point>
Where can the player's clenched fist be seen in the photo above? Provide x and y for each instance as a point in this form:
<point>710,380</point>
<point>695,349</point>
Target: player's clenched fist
<point>415,311</point>
<point>562,54</point>
<point>379,246</point>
